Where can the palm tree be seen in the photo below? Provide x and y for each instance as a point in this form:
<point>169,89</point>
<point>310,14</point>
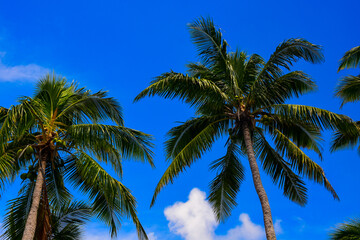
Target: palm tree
<point>242,98</point>
<point>60,134</point>
<point>67,220</point>
<point>349,91</point>
<point>347,231</point>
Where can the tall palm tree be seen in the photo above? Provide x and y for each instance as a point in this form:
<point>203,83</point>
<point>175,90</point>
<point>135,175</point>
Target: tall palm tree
<point>348,90</point>
<point>67,220</point>
<point>347,231</point>
<point>62,135</point>
<point>242,98</point>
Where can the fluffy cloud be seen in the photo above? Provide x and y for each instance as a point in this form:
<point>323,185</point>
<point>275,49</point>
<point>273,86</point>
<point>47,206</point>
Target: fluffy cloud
<point>30,72</point>
<point>195,220</point>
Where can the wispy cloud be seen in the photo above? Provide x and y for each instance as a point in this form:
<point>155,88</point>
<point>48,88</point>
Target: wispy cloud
<point>29,72</point>
<point>194,220</point>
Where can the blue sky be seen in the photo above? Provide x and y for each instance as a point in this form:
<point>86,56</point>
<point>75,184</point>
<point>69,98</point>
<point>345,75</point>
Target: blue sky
<point>121,45</point>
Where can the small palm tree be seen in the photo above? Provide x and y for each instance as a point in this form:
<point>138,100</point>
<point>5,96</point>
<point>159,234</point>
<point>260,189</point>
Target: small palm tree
<point>67,220</point>
<point>61,134</point>
<point>347,231</point>
<point>349,91</point>
<point>242,98</point>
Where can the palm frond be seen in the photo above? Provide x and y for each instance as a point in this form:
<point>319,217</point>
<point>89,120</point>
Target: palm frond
<point>69,219</point>
<point>110,198</point>
<point>348,89</point>
<point>349,230</point>
<point>17,212</point>
<point>225,186</point>
<point>211,46</point>
<point>278,91</point>
<point>186,143</point>
<point>192,90</point>
<point>112,143</point>
<point>301,162</point>
<point>351,59</point>
<point>318,117</point>
<point>279,170</point>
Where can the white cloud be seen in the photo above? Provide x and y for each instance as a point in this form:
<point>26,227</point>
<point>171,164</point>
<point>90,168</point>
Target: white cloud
<point>246,231</point>
<point>195,220</point>
<point>29,72</point>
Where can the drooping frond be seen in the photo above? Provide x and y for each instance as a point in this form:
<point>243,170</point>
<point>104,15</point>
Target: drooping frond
<point>344,138</point>
<point>186,143</point>
<point>300,161</point>
<point>57,193</point>
<point>349,230</point>
<point>192,90</point>
<point>110,199</point>
<point>226,184</point>
<point>17,212</point>
<point>348,89</point>
<point>303,134</point>
<point>69,219</point>
<point>110,142</point>
<point>279,170</point>
<point>351,59</point>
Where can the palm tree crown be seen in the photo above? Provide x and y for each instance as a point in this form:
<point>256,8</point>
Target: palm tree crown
<point>242,97</point>
<point>61,135</point>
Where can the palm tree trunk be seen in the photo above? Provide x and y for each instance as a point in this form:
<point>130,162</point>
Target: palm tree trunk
<point>268,222</point>
<point>30,225</point>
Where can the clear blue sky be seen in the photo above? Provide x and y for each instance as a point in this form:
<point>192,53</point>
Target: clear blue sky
<point>121,45</point>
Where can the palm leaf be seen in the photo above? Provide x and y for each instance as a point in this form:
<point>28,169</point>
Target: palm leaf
<point>225,186</point>
<point>351,59</point>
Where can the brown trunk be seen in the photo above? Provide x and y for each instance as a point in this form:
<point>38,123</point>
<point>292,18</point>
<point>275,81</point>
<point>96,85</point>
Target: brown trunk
<point>269,226</point>
<point>30,225</point>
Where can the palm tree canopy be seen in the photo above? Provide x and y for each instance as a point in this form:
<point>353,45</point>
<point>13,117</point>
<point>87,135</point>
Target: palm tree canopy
<point>347,231</point>
<point>74,124</point>
<point>230,88</point>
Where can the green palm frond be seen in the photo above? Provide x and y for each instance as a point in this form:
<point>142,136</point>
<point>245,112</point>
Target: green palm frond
<point>186,144</point>
<point>351,59</point>
<point>318,117</point>
<point>110,142</point>
<point>280,170</point>
<point>285,87</point>
<point>348,89</point>
<point>110,198</point>
<point>190,89</point>
<point>69,219</point>
<point>226,184</point>
<point>211,46</point>
<point>344,139</point>
<point>303,134</point>
<point>301,162</point>
<point>17,212</point>
<point>349,230</point>
<point>57,193</point>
